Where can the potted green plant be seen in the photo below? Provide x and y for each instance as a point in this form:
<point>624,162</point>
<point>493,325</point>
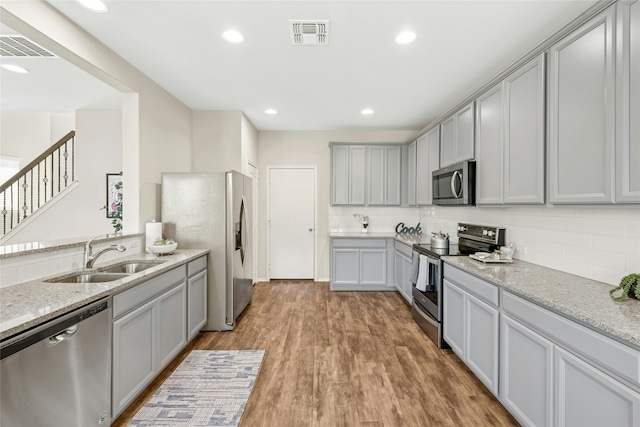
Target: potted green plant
<point>630,287</point>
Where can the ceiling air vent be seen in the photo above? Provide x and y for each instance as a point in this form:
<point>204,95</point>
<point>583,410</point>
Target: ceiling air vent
<point>21,47</point>
<point>309,33</point>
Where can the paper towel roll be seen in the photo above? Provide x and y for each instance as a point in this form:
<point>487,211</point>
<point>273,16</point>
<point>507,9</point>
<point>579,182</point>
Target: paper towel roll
<point>153,232</point>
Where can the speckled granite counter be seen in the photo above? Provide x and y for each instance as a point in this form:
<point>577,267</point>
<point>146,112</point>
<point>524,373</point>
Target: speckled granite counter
<point>408,239</point>
<point>579,298</point>
<point>29,304</point>
<point>21,249</point>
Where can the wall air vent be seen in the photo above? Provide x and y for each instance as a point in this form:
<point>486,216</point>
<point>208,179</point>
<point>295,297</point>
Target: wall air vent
<point>21,47</point>
<point>309,32</point>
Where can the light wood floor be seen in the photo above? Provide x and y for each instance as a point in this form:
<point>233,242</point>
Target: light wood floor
<point>345,359</point>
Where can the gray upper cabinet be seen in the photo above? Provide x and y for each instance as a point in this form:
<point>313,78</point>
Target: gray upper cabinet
<point>510,138</point>
<point>524,133</point>
<point>348,172</point>
<point>412,173</point>
<point>582,113</point>
<point>489,160</point>
<point>458,136</point>
<point>628,102</point>
<point>366,174</point>
<point>428,160</point>
<point>384,175</point>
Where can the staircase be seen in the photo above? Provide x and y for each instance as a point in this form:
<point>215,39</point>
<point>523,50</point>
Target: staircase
<point>37,184</point>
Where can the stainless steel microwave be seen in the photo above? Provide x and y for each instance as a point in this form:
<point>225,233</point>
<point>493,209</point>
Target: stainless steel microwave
<point>455,185</point>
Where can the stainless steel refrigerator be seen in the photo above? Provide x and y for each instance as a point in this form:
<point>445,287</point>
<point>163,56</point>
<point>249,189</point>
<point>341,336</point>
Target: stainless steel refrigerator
<point>212,211</point>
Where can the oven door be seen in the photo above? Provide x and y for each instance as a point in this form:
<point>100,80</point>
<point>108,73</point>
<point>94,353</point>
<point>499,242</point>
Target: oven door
<point>429,300</point>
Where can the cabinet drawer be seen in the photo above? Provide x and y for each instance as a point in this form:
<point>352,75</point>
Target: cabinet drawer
<point>403,248</point>
<point>620,360</point>
<point>477,287</point>
<point>196,266</point>
<point>359,243</point>
<point>131,298</point>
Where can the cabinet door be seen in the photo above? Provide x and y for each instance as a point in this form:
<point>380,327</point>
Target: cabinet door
<point>628,99</point>
<point>585,396</point>
<point>392,171</point>
<point>422,170</point>
<point>357,175</point>
<point>453,318</point>
<point>340,174</point>
<point>172,323</point>
<point>482,341</point>
<point>489,158</point>
<point>449,147</point>
<point>134,355</point>
<point>398,271</point>
<point>376,175</point>
<point>433,150</point>
<point>196,303</point>
<point>346,263</point>
<point>524,134</point>
<point>582,111</point>
<point>407,266</point>
<point>411,167</point>
<point>373,266</point>
<point>526,373</point>
<point>465,135</point>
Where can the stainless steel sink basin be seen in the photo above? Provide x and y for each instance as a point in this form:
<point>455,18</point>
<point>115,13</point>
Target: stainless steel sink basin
<point>88,277</point>
<point>130,267</point>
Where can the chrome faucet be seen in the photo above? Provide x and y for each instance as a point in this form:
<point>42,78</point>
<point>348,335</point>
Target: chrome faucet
<point>90,258</point>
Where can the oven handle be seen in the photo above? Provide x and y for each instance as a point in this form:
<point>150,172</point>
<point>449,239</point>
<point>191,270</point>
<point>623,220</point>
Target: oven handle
<point>456,195</point>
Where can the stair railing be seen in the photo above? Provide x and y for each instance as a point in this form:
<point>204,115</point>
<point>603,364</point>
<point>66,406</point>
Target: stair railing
<point>38,182</point>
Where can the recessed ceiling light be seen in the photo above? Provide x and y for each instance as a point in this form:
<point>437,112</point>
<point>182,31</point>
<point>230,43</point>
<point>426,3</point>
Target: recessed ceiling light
<point>94,5</point>
<point>406,37</point>
<point>232,36</point>
<point>14,68</point>
<point>367,111</point>
<point>271,111</point>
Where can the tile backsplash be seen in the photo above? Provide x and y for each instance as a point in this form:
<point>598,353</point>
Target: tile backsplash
<point>601,243</point>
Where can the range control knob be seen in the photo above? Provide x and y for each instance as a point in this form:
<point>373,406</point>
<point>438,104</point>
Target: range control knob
<point>485,232</point>
<point>462,228</point>
<point>491,233</point>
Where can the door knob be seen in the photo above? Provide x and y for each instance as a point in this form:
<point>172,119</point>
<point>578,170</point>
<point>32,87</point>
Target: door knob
<point>311,229</point>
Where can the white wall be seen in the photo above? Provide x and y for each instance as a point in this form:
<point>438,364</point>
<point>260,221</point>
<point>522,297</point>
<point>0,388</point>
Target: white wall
<point>249,140</point>
<point>98,151</point>
<point>308,148</point>
<point>28,134</point>
<point>216,141</point>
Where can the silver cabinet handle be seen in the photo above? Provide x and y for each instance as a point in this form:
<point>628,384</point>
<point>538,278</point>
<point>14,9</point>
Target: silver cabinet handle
<point>453,184</point>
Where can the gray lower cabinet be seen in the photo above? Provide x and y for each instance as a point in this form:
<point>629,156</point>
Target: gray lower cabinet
<point>362,264</point>
<point>471,323</point>
<point>628,102</point>
<point>428,160</point>
<point>582,113</point>
<point>150,328</point>
<point>510,138</point>
<point>402,270</point>
<point>586,396</point>
<point>458,136</point>
<point>526,373</point>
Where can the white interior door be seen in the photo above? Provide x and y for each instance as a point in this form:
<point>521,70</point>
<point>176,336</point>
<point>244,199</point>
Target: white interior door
<point>292,197</point>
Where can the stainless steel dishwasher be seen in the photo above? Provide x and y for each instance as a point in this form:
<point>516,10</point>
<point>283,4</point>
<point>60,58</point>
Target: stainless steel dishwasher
<point>59,373</point>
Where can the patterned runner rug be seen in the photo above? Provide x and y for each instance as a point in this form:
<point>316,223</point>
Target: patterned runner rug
<point>209,388</point>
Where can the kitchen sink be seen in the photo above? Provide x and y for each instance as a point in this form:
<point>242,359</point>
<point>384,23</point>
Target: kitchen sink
<point>130,267</point>
<point>88,277</point>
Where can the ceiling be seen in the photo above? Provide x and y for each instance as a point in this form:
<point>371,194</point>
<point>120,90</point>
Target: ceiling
<point>460,46</point>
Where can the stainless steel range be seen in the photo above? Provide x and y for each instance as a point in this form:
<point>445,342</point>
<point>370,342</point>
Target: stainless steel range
<point>427,284</point>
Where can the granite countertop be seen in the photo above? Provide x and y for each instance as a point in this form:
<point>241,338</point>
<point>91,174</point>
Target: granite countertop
<point>578,298</point>
<point>28,304</point>
<point>408,239</point>
<point>21,249</point>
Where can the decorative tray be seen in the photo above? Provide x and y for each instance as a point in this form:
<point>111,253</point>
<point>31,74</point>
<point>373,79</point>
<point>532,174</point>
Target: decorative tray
<point>490,260</point>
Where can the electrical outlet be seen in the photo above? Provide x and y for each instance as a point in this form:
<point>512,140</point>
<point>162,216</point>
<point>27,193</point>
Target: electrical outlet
<point>521,249</point>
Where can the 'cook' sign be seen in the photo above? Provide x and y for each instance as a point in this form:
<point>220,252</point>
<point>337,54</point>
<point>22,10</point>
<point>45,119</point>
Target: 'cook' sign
<point>403,229</point>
